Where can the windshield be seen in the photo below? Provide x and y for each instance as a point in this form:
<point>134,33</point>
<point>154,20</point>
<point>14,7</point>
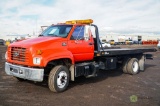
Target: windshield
<point>57,31</point>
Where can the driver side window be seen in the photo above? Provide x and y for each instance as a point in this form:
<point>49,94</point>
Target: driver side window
<point>78,33</point>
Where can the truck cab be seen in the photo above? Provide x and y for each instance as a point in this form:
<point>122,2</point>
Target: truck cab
<point>65,43</point>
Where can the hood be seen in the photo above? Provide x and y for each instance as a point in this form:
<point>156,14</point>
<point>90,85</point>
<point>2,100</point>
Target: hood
<point>35,41</point>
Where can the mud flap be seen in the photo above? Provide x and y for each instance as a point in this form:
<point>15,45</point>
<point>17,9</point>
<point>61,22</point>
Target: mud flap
<point>141,63</point>
<point>149,56</point>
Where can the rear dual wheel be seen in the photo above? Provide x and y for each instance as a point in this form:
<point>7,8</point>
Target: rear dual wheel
<point>125,63</point>
<point>131,66</point>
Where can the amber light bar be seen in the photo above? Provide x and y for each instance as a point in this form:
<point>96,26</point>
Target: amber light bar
<point>86,21</point>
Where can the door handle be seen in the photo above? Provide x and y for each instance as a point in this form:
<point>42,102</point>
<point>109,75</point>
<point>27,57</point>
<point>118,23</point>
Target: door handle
<point>90,43</point>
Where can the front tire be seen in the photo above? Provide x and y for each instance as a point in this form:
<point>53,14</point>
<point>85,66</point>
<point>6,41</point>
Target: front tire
<point>58,79</point>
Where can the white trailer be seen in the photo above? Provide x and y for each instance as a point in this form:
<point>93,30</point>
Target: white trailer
<point>121,39</point>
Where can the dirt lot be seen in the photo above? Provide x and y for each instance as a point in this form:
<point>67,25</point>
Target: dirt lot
<point>109,88</point>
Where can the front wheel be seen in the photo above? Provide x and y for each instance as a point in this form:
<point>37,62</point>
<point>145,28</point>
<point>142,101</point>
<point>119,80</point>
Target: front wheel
<point>58,79</point>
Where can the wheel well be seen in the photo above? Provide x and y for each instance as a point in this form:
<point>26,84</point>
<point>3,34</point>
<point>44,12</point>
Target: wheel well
<point>125,58</point>
<point>64,61</point>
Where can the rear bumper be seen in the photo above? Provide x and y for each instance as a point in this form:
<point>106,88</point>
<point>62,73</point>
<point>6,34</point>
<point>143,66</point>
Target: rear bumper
<point>33,74</point>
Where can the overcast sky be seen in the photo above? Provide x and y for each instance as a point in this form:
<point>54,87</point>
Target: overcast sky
<point>112,16</point>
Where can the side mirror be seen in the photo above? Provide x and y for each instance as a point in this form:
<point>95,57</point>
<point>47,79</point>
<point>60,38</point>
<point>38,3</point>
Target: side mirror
<point>40,35</point>
<point>86,38</point>
<point>78,40</point>
<point>86,33</point>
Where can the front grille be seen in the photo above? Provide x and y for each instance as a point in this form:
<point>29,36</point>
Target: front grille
<point>19,54</point>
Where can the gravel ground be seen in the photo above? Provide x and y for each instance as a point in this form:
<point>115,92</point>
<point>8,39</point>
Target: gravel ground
<point>109,88</point>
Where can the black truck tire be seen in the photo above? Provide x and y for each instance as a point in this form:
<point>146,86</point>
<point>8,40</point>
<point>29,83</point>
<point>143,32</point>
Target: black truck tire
<point>133,66</point>
<point>125,63</point>
<point>58,79</point>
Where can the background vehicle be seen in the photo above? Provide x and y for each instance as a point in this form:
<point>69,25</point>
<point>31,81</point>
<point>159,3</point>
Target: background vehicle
<point>66,51</point>
<point>2,42</point>
<point>104,44</point>
<point>112,42</point>
<point>129,42</point>
<point>121,40</point>
<point>158,45</point>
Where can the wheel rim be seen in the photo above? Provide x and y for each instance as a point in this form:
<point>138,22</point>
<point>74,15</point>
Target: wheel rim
<point>135,66</point>
<point>61,79</point>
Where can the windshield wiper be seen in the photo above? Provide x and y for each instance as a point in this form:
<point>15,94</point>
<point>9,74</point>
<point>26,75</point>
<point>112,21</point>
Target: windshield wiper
<point>40,35</point>
<point>53,35</point>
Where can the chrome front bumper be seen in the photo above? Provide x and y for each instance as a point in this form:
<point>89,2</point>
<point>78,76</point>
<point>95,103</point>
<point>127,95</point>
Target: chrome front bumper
<point>33,74</point>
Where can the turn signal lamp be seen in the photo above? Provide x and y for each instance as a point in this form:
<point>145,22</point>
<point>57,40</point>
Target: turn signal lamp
<point>87,21</point>
<point>39,52</point>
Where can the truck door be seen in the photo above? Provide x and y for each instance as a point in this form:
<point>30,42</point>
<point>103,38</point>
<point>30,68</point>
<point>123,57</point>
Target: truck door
<point>81,44</point>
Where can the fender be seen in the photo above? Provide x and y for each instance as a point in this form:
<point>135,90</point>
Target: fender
<point>60,54</point>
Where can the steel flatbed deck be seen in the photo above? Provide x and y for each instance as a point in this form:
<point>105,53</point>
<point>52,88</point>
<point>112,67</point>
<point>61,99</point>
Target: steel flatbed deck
<point>122,51</point>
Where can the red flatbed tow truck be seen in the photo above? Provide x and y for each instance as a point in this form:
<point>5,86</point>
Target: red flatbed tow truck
<point>68,50</point>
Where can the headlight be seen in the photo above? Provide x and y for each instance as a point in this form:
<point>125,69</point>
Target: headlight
<point>36,60</point>
<point>6,55</point>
